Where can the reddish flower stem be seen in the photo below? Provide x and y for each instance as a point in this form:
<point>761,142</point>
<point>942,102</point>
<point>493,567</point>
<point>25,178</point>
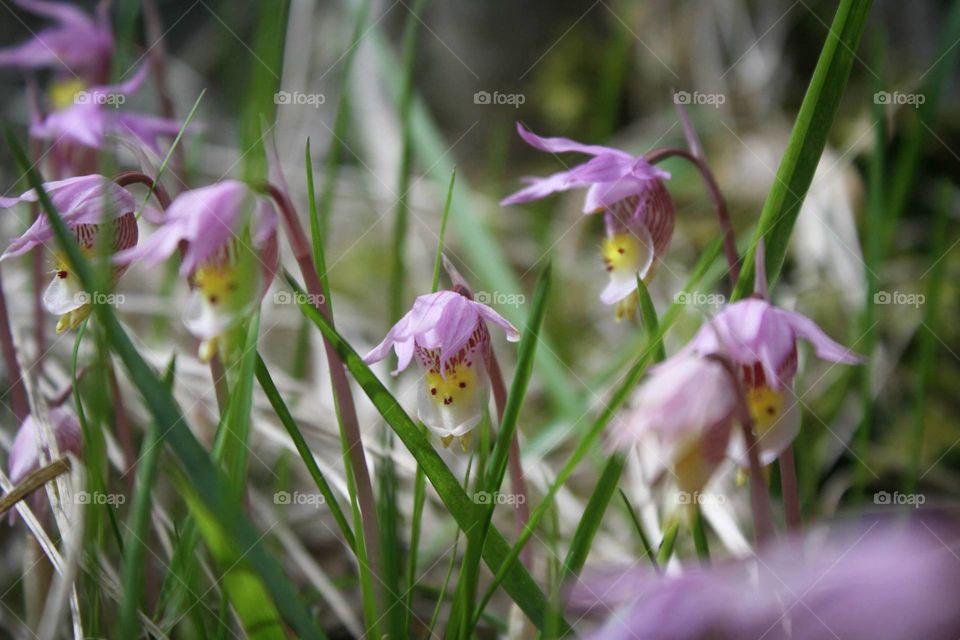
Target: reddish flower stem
<point>759,499</point>
<point>514,465</point>
<point>341,384</point>
<point>128,178</point>
<point>791,493</point>
<point>18,393</point>
<point>158,57</point>
<point>719,202</point>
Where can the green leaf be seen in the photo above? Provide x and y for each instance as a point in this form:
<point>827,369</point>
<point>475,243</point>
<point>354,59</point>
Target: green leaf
<point>286,419</point>
<point>806,142</point>
<point>517,581</point>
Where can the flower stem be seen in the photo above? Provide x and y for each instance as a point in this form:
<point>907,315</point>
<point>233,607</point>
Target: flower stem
<point>788,486</point>
<point>341,385</point>
<point>514,465</point>
<point>759,499</point>
<point>719,202</point>
<point>127,178</point>
<point>18,394</point>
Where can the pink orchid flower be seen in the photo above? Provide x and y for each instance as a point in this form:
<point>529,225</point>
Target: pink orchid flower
<point>85,116</point>
<point>90,206</point>
<point>78,44</point>
<point>25,451</point>
<point>638,211</point>
<point>689,404</point>
<point>227,234</point>
<point>889,580</point>
<point>447,334</point>
<point>761,339</point>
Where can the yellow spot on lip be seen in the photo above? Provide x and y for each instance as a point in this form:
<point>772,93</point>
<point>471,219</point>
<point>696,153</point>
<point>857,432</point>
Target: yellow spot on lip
<point>459,382</point>
<point>63,94</point>
<point>766,407</point>
<point>217,283</point>
<point>622,252</point>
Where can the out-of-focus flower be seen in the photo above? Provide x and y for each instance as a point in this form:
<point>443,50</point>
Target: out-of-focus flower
<point>638,211</point>
<point>447,334</point>
<point>85,116</point>
<point>228,237</point>
<point>883,582</point>
<point>762,340</point>
<point>90,206</point>
<point>77,45</point>
<point>688,403</point>
<point>25,451</point>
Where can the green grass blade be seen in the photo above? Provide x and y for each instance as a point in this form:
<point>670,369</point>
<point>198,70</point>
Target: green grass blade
<point>135,547</point>
<point>638,528</point>
<point>286,419</point>
<point>926,355</point>
<point>806,143</point>
<point>211,486</point>
<point>666,545</point>
<point>517,581</point>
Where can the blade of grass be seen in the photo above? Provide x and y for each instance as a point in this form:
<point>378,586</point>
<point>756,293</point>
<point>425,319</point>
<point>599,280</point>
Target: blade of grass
<point>211,486</point>
<point>517,581</point>
<point>286,418</point>
<point>641,534</point>
<point>666,545</point>
<point>806,143</point>
<point>926,353</point>
<point>139,519</point>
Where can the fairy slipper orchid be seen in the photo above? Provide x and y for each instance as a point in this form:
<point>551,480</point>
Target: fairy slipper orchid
<point>637,210</point>
<point>447,334</point>
<point>97,210</point>
<point>228,237</point>
<point>85,116</point>
<point>76,45</point>
<point>688,403</point>
<point>25,451</point>
<point>881,580</point>
<point>761,339</point>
